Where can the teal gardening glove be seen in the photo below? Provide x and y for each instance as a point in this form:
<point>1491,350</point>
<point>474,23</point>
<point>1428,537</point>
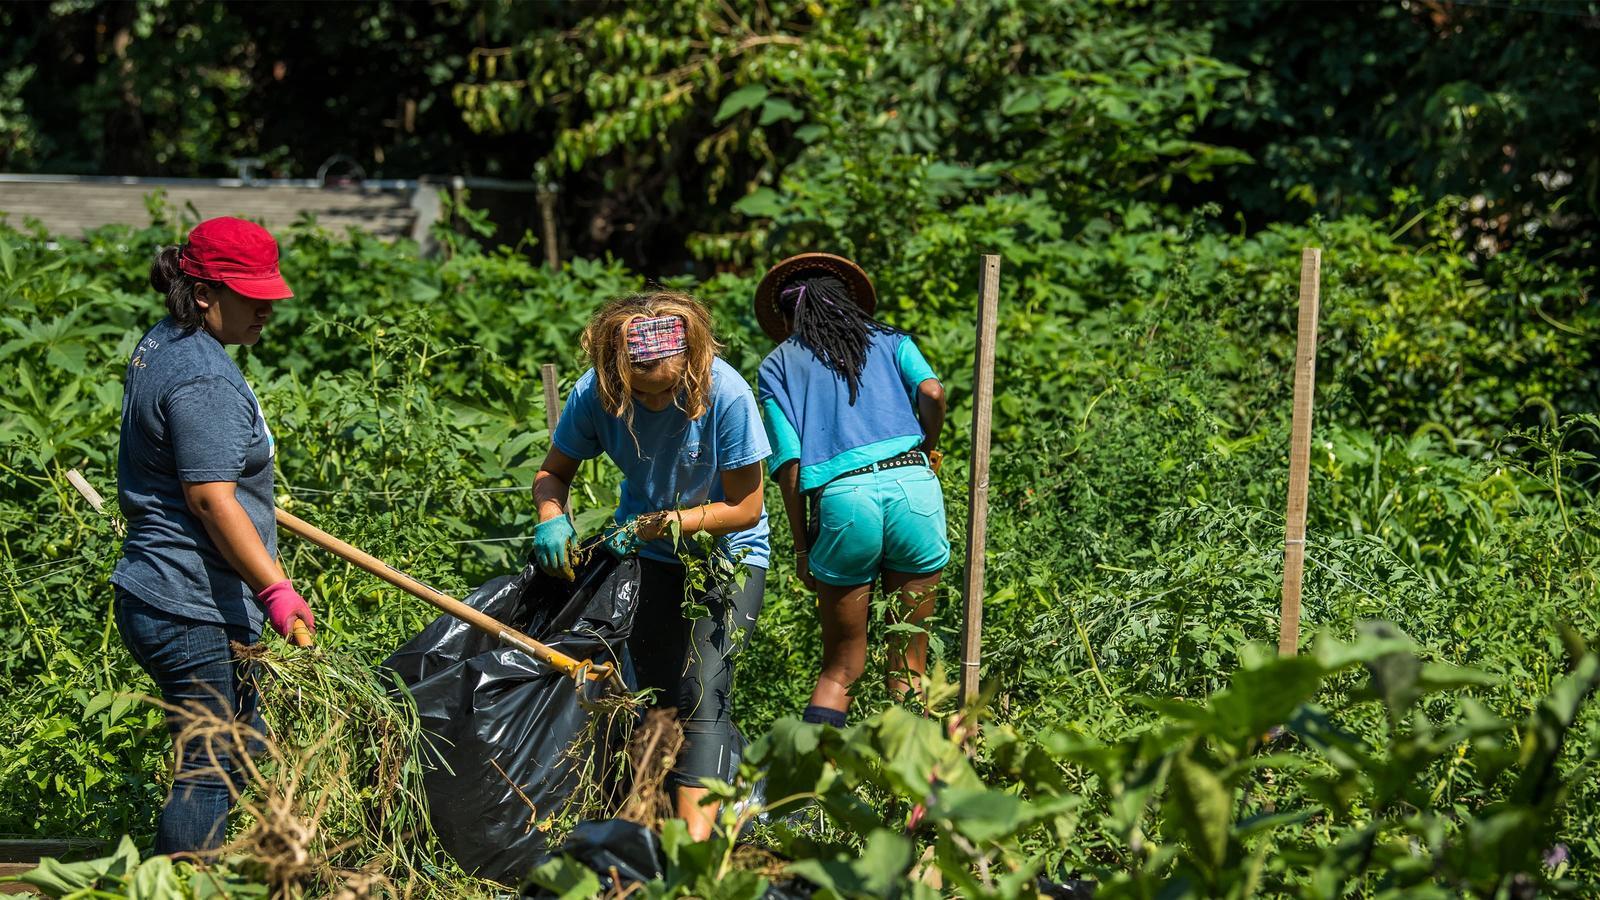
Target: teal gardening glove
<point>552,546</point>
<point>623,539</point>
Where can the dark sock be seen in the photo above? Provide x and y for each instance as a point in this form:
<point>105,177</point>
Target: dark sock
<point>821,715</point>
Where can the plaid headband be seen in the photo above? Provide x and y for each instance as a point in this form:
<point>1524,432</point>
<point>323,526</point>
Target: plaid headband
<point>656,338</point>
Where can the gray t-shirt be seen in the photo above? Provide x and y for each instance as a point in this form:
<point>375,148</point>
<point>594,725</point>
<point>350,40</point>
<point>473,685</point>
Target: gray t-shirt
<point>187,415</point>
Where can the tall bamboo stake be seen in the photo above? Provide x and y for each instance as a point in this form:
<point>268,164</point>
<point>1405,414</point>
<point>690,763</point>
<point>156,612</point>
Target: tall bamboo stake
<point>1305,375</point>
<point>978,492</point>
<point>552,398</point>
<point>83,487</point>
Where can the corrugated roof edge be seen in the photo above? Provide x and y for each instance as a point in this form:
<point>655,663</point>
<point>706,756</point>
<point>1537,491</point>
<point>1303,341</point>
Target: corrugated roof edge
<point>381,184</point>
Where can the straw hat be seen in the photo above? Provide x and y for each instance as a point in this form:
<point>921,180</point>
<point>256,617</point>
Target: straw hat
<point>855,281</point>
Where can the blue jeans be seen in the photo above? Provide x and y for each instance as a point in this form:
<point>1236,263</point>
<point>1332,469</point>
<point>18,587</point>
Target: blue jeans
<point>192,665</point>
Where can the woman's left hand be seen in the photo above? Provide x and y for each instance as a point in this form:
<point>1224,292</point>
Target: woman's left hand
<point>802,568</point>
<point>285,606</point>
<point>654,525</point>
<point>623,539</point>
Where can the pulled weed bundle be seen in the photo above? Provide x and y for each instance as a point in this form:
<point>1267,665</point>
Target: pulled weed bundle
<point>652,751</point>
<point>332,799</point>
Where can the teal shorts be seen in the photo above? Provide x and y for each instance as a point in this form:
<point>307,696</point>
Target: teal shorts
<point>892,519</point>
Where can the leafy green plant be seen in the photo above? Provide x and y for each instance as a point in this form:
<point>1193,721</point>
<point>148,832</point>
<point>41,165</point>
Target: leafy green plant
<point>1134,543</point>
<point>1210,802</point>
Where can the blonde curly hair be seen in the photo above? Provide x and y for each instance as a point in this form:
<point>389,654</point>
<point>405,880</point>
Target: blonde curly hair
<point>605,341</point>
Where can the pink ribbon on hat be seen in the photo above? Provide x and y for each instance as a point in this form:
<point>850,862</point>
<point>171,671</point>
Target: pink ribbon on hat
<point>656,338</point>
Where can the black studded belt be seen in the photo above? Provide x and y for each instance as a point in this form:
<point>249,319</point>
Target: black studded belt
<point>813,497</point>
<point>908,458</point>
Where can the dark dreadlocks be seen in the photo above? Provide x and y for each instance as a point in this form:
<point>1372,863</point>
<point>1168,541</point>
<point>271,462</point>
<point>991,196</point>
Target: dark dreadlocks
<point>831,325</point>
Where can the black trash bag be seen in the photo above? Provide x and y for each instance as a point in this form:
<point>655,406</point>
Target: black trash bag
<point>622,853</point>
<point>619,851</point>
<point>501,726</point>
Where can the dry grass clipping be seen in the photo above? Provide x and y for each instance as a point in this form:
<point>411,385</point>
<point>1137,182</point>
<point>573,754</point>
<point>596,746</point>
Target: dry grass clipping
<point>330,788</point>
<point>652,753</point>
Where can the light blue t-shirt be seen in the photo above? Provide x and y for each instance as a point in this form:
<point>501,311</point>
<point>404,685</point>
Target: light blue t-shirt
<point>675,462</point>
<point>810,418</point>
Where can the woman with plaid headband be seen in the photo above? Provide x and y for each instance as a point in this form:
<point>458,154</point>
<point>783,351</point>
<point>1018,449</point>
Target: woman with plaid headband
<point>683,427</point>
<point>854,413</point>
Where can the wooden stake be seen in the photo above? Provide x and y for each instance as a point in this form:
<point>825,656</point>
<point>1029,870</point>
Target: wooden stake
<point>547,226</point>
<point>87,491</point>
<point>552,397</point>
<point>978,493</point>
<point>84,488</point>
<point>1305,376</point>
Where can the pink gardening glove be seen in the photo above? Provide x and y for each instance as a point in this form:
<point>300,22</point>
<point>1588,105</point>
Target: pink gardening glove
<point>284,604</point>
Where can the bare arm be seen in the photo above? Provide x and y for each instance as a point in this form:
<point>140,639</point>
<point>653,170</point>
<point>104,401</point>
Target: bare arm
<point>794,506</point>
<point>788,476</point>
<point>230,529</point>
<point>553,483</point>
<point>931,410</point>
<point>741,509</point>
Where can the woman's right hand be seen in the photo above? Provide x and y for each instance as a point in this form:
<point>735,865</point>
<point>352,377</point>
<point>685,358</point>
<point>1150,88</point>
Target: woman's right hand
<point>285,606</point>
<point>552,546</point>
<point>802,567</point>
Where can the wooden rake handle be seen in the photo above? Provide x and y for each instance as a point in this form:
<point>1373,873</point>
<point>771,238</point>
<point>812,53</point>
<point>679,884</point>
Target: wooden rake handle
<point>477,619</point>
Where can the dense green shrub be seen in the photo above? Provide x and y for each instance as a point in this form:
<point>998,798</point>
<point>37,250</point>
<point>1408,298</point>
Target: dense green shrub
<point>1141,426</point>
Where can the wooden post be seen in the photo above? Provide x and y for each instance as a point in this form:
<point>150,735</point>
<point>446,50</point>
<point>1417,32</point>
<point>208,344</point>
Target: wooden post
<point>547,225</point>
<point>552,397</point>
<point>978,493</point>
<point>1305,375</point>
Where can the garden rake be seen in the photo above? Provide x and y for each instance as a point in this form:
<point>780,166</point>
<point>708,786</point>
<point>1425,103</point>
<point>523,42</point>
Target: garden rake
<point>572,668</point>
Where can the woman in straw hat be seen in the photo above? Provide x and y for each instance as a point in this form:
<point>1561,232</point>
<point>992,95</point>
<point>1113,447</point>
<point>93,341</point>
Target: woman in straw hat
<point>199,566</point>
<point>683,427</point>
<point>854,413</point>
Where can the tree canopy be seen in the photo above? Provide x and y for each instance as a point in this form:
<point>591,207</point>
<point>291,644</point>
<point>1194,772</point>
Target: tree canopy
<point>704,134</point>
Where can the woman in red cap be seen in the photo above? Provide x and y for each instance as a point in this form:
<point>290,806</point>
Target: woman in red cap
<point>199,566</point>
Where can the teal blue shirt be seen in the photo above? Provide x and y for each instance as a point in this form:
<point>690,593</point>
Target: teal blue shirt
<point>809,416</point>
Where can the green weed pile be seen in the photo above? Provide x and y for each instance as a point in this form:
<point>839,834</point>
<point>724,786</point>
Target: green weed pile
<point>344,773</point>
<point>331,799</point>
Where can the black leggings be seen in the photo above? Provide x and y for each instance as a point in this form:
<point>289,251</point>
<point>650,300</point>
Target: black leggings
<point>690,664</point>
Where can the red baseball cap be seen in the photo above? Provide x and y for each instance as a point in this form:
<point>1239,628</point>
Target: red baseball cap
<point>240,254</point>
